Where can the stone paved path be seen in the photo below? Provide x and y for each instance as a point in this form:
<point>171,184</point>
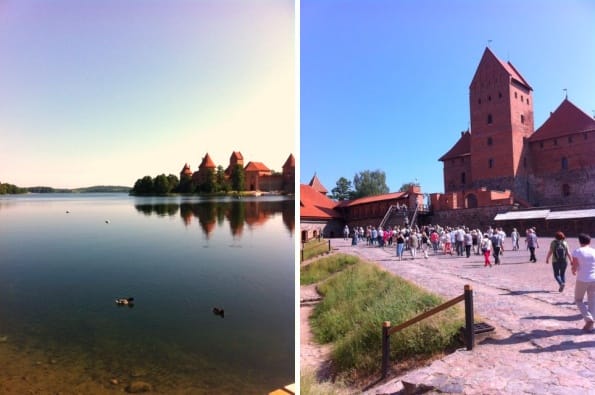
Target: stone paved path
<point>538,346</point>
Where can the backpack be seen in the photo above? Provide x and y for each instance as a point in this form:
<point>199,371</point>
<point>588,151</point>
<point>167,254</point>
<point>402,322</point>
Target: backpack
<point>560,251</point>
<point>495,239</point>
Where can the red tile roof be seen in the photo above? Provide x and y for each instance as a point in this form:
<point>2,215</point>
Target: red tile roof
<point>315,205</point>
<point>511,70</point>
<point>372,199</point>
<point>567,119</point>
<point>461,147</point>
<point>317,185</point>
<point>207,162</point>
<point>256,166</point>
<point>237,155</point>
<point>186,170</point>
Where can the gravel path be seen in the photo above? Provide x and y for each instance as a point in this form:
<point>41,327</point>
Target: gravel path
<point>538,346</point>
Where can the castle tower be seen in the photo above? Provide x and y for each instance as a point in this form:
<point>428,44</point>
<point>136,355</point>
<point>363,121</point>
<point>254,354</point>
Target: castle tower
<point>501,110</point>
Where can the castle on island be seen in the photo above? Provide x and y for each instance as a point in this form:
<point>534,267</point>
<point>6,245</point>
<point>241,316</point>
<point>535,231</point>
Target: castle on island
<point>257,177</point>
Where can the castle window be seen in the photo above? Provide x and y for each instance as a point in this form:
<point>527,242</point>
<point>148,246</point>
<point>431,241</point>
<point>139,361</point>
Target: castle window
<point>525,163</point>
<point>479,101</point>
<point>499,95</point>
<point>489,119</point>
<point>541,144</point>
<point>490,163</point>
<point>522,118</point>
<point>564,163</point>
<point>515,95</point>
<point>527,100</point>
<point>585,135</point>
<point>555,141</point>
<point>570,139</point>
<point>463,178</point>
<point>490,141</point>
<point>489,98</point>
<point>522,98</point>
<point>565,190</point>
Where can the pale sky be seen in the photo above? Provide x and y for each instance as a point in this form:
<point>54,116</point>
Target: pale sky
<point>106,92</point>
<point>385,83</point>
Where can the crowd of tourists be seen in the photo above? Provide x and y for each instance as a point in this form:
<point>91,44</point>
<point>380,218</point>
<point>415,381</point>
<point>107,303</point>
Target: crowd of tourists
<point>464,242</point>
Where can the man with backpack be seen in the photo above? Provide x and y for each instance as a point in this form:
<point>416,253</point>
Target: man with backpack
<point>559,251</point>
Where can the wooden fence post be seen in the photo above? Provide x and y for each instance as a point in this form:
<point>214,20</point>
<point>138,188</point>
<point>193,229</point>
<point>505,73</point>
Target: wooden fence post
<point>469,330</point>
<point>329,245</point>
<point>385,347</point>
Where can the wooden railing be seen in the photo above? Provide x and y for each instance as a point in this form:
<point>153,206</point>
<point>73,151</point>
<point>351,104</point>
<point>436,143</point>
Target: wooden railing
<point>467,296</point>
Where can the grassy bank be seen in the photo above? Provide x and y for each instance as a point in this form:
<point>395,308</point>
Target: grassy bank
<point>324,267</point>
<point>357,299</point>
<point>314,248</point>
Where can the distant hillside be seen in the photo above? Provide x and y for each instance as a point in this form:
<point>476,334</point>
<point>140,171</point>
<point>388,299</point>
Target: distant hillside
<point>93,189</point>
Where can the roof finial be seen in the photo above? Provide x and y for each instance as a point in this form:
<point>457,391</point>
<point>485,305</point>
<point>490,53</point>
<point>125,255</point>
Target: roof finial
<point>565,93</point>
<point>489,42</point>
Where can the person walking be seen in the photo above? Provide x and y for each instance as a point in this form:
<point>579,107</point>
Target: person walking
<point>400,244</point>
<point>532,243</point>
<point>413,243</point>
<point>583,266</point>
<point>486,248</point>
<point>560,252</point>
<point>468,243</point>
<point>496,240</point>
<point>514,237</point>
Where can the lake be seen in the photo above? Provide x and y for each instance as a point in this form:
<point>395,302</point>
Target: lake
<point>65,258</point>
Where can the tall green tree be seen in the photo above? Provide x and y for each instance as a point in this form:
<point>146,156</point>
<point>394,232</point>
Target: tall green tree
<point>161,185</point>
<point>238,178</point>
<point>221,181</point>
<point>210,184</point>
<point>370,183</point>
<point>143,186</point>
<point>343,190</point>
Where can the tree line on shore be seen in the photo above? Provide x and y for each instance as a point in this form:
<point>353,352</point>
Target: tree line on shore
<point>11,189</point>
<point>213,182</point>
<point>365,183</point>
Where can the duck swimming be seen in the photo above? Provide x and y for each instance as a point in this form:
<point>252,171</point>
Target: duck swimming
<point>125,301</point>
<point>219,311</point>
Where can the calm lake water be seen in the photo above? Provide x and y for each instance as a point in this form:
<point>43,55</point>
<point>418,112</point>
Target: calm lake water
<point>65,258</point>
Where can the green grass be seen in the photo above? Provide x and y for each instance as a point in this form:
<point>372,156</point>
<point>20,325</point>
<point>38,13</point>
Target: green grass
<point>314,248</point>
<point>325,267</point>
<point>359,299</point>
<point>309,385</point>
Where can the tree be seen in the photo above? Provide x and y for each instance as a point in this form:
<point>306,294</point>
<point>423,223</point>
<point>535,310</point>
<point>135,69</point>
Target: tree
<point>343,190</point>
<point>161,185</point>
<point>370,183</point>
<point>238,177</point>
<point>173,182</point>
<point>143,186</point>
<point>220,180</point>
<point>406,186</point>
<point>209,186</point>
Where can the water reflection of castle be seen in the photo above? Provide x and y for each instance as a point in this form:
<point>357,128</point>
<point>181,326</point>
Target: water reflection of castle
<point>210,214</point>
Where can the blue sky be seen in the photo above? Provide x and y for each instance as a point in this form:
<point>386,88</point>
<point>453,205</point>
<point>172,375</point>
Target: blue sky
<point>107,91</point>
<point>384,84</point>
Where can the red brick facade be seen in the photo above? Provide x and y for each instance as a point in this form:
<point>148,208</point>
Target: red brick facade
<point>501,152</point>
<point>258,177</point>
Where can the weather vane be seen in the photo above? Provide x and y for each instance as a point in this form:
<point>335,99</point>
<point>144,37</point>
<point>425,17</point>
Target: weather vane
<point>565,93</point>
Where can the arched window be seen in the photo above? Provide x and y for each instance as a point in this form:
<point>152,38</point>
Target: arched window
<point>463,178</point>
<point>564,163</point>
<point>489,119</point>
<point>490,141</point>
<point>522,118</point>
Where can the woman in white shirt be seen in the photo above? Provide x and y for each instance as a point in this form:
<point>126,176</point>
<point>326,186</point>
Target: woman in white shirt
<point>583,266</point>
